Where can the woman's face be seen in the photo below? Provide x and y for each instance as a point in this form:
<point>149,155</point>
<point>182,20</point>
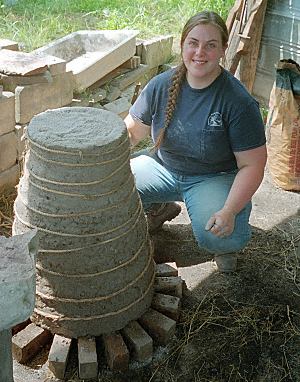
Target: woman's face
<point>201,53</point>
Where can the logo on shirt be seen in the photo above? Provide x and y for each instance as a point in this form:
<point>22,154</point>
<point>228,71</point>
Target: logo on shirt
<point>215,119</point>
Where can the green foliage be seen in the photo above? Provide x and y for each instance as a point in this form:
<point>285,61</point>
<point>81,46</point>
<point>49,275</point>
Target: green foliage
<point>36,22</point>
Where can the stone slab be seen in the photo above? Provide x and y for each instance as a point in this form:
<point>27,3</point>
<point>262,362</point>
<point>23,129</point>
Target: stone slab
<point>10,177</point>
<point>17,278</point>
<point>54,64</point>
<point>168,305</point>
<point>7,112</point>
<point>160,327</point>
<point>21,63</point>
<point>139,342</point>
<point>156,51</point>
<point>28,342</point>
<point>120,106</point>
<point>34,99</point>
<point>8,150</point>
<point>58,355</point>
<point>117,354</point>
<point>9,44</point>
<point>87,358</point>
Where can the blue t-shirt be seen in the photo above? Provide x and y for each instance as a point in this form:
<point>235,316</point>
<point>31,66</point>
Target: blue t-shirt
<point>207,127</point>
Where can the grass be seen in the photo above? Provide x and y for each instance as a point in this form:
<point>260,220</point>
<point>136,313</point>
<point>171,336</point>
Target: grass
<point>33,23</point>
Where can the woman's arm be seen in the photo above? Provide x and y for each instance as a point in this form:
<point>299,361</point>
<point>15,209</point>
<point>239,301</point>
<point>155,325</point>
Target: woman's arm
<point>136,130</point>
<point>251,164</point>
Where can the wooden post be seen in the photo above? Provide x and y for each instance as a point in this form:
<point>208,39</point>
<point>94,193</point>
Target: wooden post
<point>6,362</point>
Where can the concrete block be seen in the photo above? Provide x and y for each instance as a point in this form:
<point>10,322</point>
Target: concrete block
<point>119,106</point>
<point>166,270</point>
<point>11,82</point>
<point>157,51</point>
<point>20,63</point>
<point>10,177</point>
<point>7,113</point>
<point>20,144</point>
<point>168,305</point>
<point>8,150</point>
<point>87,358</point>
<point>138,341</point>
<point>54,64</point>
<point>28,342</point>
<point>169,285</point>
<point>8,44</point>
<point>58,355</point>
<point>117,354</point>
<point>34,99</point>
<point>160,327</point>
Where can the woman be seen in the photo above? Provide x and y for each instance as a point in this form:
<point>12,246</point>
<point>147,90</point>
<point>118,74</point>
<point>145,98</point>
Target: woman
<point>209,143</point>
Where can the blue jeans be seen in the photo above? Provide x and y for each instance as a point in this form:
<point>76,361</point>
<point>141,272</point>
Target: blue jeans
<point>203,195</point>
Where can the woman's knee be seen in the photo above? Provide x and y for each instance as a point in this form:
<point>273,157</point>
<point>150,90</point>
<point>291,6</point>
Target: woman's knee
<point>216,245</point>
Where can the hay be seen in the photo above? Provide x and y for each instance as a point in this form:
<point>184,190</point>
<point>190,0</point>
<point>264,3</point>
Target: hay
<point>6,211</point>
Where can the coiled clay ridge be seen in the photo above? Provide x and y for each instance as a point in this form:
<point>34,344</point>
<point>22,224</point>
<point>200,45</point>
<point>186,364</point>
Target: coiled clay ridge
<point>95,269</point>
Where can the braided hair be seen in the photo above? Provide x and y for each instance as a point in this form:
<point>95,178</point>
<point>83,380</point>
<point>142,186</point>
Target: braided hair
<point>204,17</point>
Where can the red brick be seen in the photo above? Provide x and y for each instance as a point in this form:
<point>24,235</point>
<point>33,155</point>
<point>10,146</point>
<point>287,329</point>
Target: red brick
<point>166,304</point>
<point>160,327</point>
<point>117,354</point>
<point>58,355</point>
<point>28,342</point>
<point>87,358</point>
<point>139,342</point>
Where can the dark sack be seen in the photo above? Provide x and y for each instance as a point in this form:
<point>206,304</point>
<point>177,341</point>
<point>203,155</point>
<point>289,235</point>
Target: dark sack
<point>283,126</point>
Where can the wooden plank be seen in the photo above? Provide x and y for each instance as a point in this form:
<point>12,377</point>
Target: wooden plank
<point>253,29</point>
<point>232,58</point>
<point>234,14</point>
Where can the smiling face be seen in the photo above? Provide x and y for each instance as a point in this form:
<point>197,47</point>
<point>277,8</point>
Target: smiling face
<point>201,53</point>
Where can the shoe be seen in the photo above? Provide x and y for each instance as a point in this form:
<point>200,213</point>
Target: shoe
<point>226,263</point>
<point>162,213</point>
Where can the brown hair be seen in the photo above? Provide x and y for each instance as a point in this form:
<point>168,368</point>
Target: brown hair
<point>204,17</point>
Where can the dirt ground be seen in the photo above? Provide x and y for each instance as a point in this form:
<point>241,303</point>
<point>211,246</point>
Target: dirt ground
<point>239,327</point>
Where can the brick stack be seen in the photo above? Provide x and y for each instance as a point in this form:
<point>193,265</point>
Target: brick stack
<point>31,84</point>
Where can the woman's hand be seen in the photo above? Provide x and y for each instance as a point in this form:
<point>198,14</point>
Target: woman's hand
<point>221,223</point>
